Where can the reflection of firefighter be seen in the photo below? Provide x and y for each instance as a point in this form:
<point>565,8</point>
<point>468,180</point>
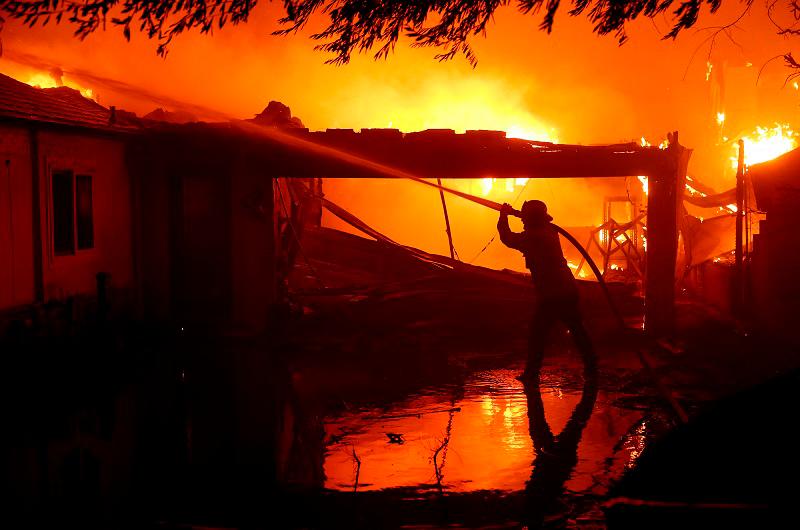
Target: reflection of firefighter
<point>556,455</point>
<point>556,291</point>
<point>300,205</point>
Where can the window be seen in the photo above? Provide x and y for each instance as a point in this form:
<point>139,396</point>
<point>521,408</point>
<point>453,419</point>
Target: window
<point>63,213</point>
<point>83,211</point>
<point>73,219</point>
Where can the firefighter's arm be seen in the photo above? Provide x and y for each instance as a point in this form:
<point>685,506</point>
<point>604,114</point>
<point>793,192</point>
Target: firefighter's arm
<point>509,238</point>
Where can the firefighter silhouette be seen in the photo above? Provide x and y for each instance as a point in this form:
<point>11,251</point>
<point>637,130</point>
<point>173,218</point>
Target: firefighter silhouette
<point>556,291</point>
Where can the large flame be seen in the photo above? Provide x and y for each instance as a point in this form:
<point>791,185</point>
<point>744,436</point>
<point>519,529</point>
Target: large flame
<point>766,143</point>
<point>45,80</point>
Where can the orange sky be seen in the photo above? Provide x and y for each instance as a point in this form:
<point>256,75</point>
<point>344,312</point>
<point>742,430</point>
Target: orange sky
<point>573,84</point>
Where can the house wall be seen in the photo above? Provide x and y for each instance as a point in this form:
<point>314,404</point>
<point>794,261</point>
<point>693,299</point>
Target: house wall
<point>62,276</point>
<point>16,218</point>
<point>252,247</point>
<point>104,160</point>
<point>204,231</point>
<point>775,286</point>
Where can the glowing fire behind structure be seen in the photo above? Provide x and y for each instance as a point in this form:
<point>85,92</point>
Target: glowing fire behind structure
<point>766,143</point>
<point>45,80</point>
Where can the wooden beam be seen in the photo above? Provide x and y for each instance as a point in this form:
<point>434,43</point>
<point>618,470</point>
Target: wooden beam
<point>427,154</point>
<point>663,204</point>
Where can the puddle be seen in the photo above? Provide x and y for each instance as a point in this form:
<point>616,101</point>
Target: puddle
<point>479,436</point>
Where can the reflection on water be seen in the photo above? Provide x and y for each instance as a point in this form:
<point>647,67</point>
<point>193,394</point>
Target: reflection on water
<point>556,454</point>
<point>473,436</point>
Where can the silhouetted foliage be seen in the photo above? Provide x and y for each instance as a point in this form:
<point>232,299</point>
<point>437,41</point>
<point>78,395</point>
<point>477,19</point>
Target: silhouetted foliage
<point>353,25</point>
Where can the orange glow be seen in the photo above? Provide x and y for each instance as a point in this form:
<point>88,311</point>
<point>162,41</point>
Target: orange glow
<point>574,267</point>
<point>486,186</point>
<point>643,181</point>
<point>645,143</point>
<point>489,442</point>
<point>576,88</point>
<point>474,107</point>
<point>40,80</point>
<point>461,104</point>
<point>501,187</point>
<point>43,80</point>
<point>765,143</point>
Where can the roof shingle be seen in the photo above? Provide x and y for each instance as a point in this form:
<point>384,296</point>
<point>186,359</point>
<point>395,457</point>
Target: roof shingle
<point>62,105</point>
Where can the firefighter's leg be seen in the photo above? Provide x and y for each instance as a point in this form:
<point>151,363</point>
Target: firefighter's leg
<point>574,322</point>
<point>539,332</point>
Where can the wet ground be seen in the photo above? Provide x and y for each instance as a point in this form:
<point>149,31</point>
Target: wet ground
<point>479,435</point>
<point>476,447</point>
<point>408,412</point>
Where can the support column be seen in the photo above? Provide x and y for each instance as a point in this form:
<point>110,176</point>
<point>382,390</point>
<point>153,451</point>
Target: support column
<point>38,239</point>
<point>738,291</point>
<point>663,207</point>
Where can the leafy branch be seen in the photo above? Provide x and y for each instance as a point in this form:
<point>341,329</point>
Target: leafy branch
<point>356,26</point>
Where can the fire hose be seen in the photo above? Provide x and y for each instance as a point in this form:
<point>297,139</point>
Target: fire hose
<point>660,387</point>
<point>569,237</point>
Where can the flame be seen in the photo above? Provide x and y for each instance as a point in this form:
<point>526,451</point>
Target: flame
<point>489,185</point>
<point>502,188</point>
<point>486,186</point>
<point>662,145</point>
<point>693,191</point>
<point>645,143</point>
<point>574,267</point>
<point>643,180</point>
<point>763,144</point>
<point>44,80</point>
<point>470,104</point>
<point>40,80</point>
<point>538,135</point>
<point>766,143</point>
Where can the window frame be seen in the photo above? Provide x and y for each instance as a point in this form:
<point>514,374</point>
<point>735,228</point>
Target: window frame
<point>76,246</point>
<point>89,221</point>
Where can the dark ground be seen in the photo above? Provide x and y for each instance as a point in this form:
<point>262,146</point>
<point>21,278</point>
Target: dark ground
<point>391,399</point>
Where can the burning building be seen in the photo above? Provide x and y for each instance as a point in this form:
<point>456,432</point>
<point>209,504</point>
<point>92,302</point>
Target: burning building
<point>67,196</point>
<point>197,227</point>
<point>203,313</point>
<point>168,213</point>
